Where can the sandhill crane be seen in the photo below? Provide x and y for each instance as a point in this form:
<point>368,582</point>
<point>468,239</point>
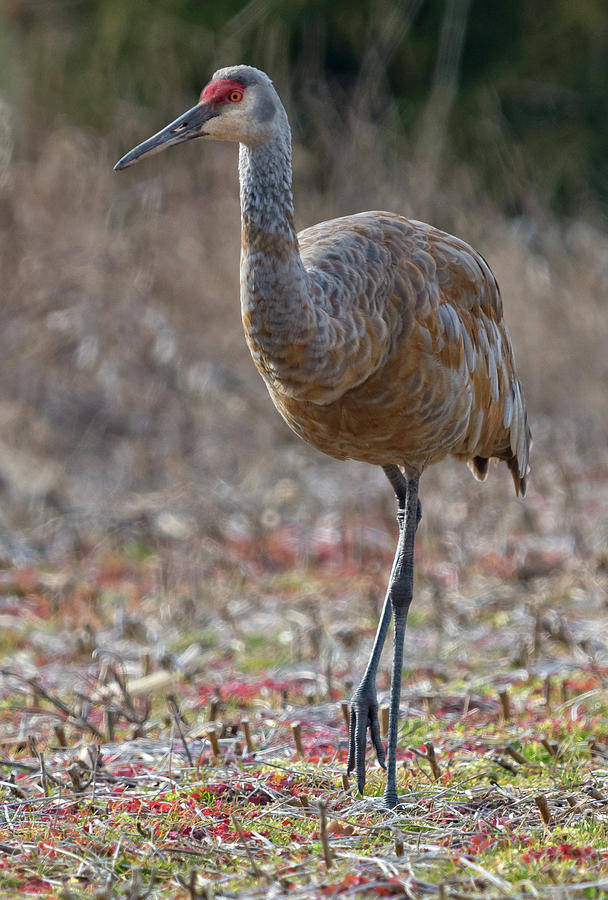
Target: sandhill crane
<point>380,339</point>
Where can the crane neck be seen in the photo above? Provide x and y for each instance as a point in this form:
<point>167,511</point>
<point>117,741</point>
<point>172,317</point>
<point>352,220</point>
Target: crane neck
<point>278,318</point>
<point>266,193</point>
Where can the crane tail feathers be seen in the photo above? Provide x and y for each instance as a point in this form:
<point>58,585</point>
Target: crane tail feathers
<point>479,467</point>
<point>520,481</point>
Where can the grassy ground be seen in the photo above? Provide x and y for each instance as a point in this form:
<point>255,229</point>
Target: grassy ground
<point>130,674</point>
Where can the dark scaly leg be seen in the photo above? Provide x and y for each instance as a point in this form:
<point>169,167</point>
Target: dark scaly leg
<point>400,591</point>
<point>364,704</point>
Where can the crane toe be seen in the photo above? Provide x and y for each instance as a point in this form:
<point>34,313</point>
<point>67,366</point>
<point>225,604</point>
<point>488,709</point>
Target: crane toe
<point>374,729</point>
<point>363,715</point>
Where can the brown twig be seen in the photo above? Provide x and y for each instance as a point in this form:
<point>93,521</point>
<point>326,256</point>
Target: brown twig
<point>14,789</point>
<point>399,846</point>
<point>174,710</point>
<point>549,746</point>
<point>60,735</point>
<point>146,661</point>
<point>247,733</point>
<point>543,808</point>
<point>505,704</point>
<point>74,772</point>
<point>44,775</point>
<point>109,717</point>
<point>547,691</point>
<point>74,718</point>
<point>506,765</point>
<point>430,754</point>
<point>215,744</point>
<point>345,714</point>
<point>296,730</point>
<point>516,755</point>
<point>593,792</point>
<point>323,832</point>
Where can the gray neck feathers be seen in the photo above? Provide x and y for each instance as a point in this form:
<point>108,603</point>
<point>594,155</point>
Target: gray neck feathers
<point>273,278</point>
<point>290,328</point>
<point>265,179</point>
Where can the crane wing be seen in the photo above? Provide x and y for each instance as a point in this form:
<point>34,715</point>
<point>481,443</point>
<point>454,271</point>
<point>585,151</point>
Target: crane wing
<point>383,287</point>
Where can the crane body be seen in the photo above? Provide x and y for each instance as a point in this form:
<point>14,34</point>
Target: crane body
<point>379,338</point>
<point>433,329</point>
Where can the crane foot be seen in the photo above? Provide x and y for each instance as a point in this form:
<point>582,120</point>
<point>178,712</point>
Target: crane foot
<point>363,715</point>
<point>390,799</point>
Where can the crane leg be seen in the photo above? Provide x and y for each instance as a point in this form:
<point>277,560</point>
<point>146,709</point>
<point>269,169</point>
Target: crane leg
<point>401,592</point>
<point>364,704</point>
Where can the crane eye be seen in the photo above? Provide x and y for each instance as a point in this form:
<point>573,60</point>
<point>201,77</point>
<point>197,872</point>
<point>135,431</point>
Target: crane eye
<point>235,96</point>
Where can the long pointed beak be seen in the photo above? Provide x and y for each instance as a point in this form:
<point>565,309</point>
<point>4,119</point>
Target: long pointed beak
<point>185,128</point>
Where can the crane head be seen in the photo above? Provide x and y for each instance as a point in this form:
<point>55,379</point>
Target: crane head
<point>238,104</point>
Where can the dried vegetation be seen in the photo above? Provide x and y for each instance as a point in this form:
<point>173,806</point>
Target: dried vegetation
<point>172,723</point>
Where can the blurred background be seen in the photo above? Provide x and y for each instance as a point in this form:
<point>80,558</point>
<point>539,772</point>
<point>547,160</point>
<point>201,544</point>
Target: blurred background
<point>129,404</point>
